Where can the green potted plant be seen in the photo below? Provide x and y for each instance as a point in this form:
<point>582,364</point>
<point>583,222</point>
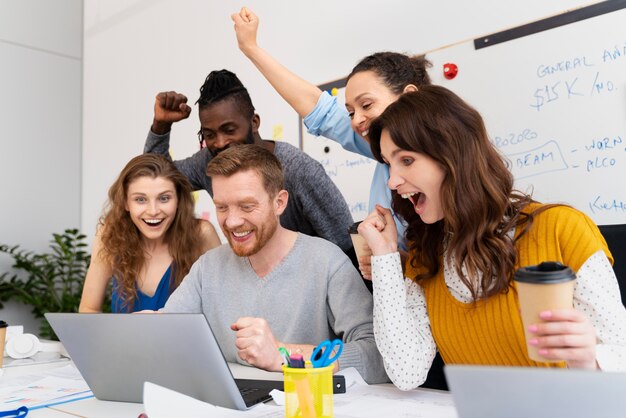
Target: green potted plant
<point>53,282</point>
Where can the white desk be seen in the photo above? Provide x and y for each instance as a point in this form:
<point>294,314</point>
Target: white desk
<point>18,373</point>
<point>91,407</point>
<point>95,408</point>
<point>27,368</point>
<point>47,413</point>
<point>104,409</point>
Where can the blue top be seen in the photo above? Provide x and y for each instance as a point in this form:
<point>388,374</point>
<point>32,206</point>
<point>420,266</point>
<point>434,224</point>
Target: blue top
<point>332,121</point>
<point>143,301</point>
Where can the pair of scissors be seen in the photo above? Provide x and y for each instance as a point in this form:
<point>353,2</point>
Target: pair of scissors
<point>20,412</point>
<point>321,356</point>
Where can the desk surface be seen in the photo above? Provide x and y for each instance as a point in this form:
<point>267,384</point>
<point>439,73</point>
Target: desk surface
<point>26,369</point>
<point>95,408</point>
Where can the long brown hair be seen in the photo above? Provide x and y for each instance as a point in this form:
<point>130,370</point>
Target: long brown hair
<point>122,244</point>
<point>479,203</point>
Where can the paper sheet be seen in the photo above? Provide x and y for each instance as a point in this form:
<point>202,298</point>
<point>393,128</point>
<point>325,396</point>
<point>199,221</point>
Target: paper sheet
<point>47,391</point>
<point>160,402</point>
<point>67,372</point>
<point>387,400</point>
<point>360,400</point>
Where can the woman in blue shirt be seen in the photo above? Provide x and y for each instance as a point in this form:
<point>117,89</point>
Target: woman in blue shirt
<point>374,83</point>
<point>147,239</point>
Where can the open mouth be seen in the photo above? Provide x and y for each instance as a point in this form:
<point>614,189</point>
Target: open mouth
<point>417,199</point>
<point>241,234</point>
<point>153,222</point>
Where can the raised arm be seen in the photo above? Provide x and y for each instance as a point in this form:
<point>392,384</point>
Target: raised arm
<point>400,314</point>
<point>98,278</point>
<point>301,95</point>
<point>169,107</point>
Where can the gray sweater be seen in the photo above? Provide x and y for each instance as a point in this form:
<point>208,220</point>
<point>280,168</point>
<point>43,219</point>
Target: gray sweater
<point>316,207</point>
<point>313,294</point>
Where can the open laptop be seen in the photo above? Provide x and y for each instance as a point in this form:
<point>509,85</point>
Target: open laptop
<point>522,392</point>
<point>117,353</point>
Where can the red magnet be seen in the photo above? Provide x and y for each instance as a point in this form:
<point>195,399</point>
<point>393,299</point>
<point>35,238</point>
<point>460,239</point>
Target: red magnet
<point>450,70</point>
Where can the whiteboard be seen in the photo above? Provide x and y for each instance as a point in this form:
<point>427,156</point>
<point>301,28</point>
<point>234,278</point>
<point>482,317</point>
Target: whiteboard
<point>554,104</point>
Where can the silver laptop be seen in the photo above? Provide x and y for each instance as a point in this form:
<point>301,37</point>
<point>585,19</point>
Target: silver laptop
<point>117,353</point>
<point>523,392</point>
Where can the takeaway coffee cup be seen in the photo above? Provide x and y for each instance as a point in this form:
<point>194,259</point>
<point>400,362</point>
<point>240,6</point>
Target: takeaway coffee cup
<point>3,335</point>
<point>360,245</point>
<point>546,286</point>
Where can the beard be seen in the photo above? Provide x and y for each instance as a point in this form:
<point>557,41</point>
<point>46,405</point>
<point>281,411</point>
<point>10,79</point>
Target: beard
<point>262,236</point>
<point>249,139</point>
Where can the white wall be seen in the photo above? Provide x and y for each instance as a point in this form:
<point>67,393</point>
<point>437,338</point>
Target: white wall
<point>134,49</point>
<point>40,125</point>
<point>55,179</point>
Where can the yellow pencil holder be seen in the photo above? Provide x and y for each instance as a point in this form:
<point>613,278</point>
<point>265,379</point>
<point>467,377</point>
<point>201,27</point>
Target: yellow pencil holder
<point>308,391</point>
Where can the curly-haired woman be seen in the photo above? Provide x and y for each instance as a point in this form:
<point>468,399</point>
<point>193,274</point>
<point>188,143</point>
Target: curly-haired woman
<point>147,239</point>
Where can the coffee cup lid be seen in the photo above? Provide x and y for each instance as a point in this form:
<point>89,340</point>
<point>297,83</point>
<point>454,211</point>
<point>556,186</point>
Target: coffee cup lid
<point>354,228</point>
<point>548,272</point>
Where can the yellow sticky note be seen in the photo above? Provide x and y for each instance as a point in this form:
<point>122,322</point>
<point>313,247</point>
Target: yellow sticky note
<point>277,132</point>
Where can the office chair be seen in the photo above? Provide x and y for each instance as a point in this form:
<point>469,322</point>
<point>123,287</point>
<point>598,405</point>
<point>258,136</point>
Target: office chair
<point>436,379</point>
<point>615,236</point>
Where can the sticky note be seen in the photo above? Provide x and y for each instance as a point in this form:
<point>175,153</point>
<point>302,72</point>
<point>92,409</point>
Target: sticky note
<point>277,132</point>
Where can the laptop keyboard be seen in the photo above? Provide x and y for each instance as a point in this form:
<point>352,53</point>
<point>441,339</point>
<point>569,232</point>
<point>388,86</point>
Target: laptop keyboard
<point>253,396</point>
<point>256,391</point>
<point>247,391</point>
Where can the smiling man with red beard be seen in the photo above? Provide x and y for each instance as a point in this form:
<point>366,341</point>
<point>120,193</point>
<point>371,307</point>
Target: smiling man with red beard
<point>271,287</point>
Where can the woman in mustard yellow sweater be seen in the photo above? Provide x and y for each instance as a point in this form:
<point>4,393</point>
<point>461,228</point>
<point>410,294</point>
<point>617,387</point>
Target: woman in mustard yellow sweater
<point>468,232</point>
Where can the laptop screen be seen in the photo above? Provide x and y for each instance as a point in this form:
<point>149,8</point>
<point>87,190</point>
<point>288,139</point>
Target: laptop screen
<point>523,392</point>
<point>117,353</point>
